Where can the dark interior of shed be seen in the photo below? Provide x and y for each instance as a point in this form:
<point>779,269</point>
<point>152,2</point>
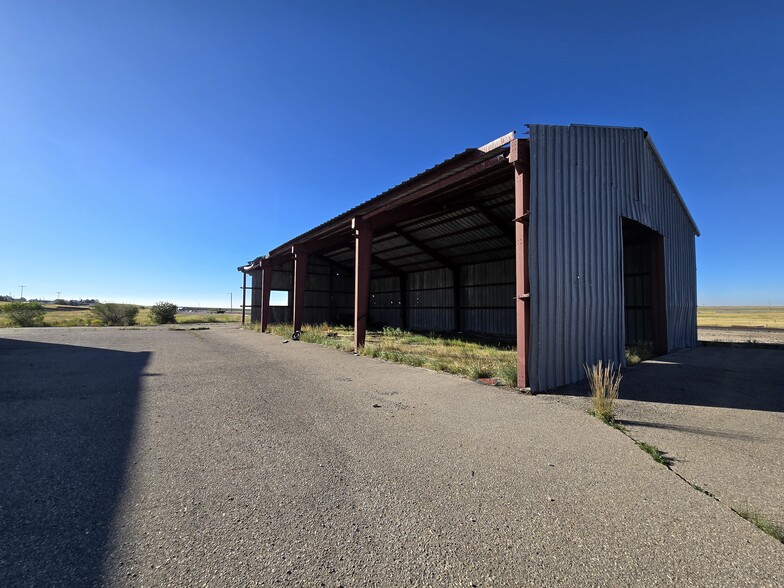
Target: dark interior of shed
<point>645,314</point>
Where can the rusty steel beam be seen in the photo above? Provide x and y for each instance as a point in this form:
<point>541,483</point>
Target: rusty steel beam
<point>519,158</point>
<point>363,234</point>
<point>424,248</point>
<point>459,180</point>
<point>383,264</point>
<point>300,279</point>
<point>506,227</point>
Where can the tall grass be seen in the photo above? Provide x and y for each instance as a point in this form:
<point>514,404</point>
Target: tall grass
<point>605,384</point>
<point>453,355</point>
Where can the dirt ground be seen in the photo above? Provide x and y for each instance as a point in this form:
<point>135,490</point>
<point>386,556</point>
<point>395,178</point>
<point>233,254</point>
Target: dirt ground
<point>741,335</point>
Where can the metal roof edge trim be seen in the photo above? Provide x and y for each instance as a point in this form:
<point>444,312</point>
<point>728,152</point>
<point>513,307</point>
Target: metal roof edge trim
<point>656,154</point>
<point>672,182</point>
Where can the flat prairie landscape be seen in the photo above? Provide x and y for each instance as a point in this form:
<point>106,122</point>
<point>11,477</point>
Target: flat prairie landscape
<point>762,317</point>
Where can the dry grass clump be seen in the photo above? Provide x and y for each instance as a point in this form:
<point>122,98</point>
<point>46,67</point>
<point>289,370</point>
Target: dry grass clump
<point>605,383</point>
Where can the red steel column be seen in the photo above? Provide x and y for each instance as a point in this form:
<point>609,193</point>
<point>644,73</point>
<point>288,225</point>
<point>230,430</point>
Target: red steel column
<point>266,288</point>
<point>519,157</point>
<point>300,278</point>
<point>363,234</point>
<point>244,286</point>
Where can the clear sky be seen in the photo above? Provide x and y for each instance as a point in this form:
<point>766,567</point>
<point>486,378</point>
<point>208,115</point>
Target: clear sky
<point>148,148</point>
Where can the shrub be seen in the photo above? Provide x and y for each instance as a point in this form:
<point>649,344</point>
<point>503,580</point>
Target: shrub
<point>605,383</point>
<point>163,313</point>
<point>112,314</point>
<point>24,314</point>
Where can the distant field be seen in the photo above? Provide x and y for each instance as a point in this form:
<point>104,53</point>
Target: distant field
<point>80,316</point>
<point>741,316</point>
<point>707,316</point>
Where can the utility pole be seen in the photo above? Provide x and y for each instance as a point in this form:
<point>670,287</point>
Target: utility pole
<point>21,294</point>
<point>58,295</point>
<point>231,300</point>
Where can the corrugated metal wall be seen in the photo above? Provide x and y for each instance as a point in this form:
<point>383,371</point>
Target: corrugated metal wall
<point>487,294</point>
<point>282,279</point>
<point>583,180</point>
<point>317,294</point>
<point>430,301</point>
<point>384,304</point>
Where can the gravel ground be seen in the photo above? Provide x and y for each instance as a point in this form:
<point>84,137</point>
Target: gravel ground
<point>741,335</point>
<point>224,457</point>
<point>718,413</point>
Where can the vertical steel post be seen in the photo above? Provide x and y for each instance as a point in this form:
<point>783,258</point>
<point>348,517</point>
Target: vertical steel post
<point>300,279</point>
<point>244,286</point>
<point>266,288</point>
<point>519,155</point>
<point>363,235</point>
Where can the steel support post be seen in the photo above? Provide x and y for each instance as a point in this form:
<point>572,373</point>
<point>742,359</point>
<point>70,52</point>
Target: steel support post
<point>363,250</point>
<point>300,279</point>
<point>244,287</point>
<point>519,157</point>
<point>266,288</point>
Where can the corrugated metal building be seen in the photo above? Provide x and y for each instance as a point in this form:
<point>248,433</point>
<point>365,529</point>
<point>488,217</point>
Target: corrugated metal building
<point>574,242</point>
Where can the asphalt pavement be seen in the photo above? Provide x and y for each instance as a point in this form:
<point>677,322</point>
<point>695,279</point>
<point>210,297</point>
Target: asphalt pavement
<point>223,457</point>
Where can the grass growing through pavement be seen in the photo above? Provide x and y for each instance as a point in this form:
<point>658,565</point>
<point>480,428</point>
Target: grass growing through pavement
<point>605,383</point>
<point>462,357</point>
<point>762,522</point>
<point>655,453</point>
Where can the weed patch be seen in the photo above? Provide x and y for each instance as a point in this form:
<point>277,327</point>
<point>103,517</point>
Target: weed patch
<point>762,522</point>
<point>605,383</point>
<point>655,453</point>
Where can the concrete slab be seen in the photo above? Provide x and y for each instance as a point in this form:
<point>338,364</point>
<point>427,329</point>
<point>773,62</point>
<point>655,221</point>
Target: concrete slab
<point>153,457</point>
<point>718,413</point>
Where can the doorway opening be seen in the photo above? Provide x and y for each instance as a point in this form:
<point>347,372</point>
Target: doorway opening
<point>644,298</point>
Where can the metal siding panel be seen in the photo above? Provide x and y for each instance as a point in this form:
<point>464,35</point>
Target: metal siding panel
<point>583,180</point>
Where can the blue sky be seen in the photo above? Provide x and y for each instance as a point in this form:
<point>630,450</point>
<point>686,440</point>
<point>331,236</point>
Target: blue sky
<point>149,148</point>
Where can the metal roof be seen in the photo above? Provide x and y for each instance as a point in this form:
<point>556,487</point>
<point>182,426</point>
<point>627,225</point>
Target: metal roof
<point>474,225</point>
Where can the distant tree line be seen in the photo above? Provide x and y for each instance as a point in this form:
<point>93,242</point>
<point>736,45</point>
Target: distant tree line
<point>60,301</point>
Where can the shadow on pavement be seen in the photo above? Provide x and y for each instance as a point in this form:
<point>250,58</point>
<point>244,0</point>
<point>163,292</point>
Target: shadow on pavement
<point>67,415</point>
<point>725,377</point>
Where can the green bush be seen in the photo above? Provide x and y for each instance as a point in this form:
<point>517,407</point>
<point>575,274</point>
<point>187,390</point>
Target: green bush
<point>24,314</point>
<point>112,314</point>
<point>163,313</point>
